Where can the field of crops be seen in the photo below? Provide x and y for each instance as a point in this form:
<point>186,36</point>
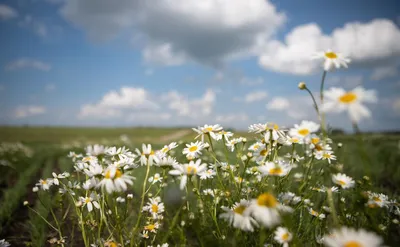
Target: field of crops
<point>28,154</point>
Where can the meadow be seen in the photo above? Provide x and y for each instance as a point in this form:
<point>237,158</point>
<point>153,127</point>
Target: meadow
<point>43,150</point>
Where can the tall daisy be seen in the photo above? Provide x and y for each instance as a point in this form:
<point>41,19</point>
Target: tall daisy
<point>338,100</point>
<point>238,216</point>
<point>344,181</point>
<point>89,202</point>
<point>115,180</point>
<point>185,170</point>
<point>147,156</point>
<point>207,129</point>
<point>304,129</point>
<point>283,236</point>
<point>279,168</point>
<point>193,150</point>
<point>154,206</point>
<point>352,238</point>
<point>332,60</point>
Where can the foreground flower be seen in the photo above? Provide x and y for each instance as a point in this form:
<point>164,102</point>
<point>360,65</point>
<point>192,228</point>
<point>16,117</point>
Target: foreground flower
<point>238,216</point>
<point>266,210</point>
<point>193,150</point>
<point>4,243</point>
<point>304,130</point>
<point>332,60</point>
<point>147,156</point>
<point>338,100</point>
<point>89,202</point>
<point>193,168</point>
<point>115,180</point>
<point>349,237</point>
<point>275,169</point>
<point>376,200</point>
<point>344,181</point>
<point>207,129</point>
<point>155,207</point>
<point>283,236</point>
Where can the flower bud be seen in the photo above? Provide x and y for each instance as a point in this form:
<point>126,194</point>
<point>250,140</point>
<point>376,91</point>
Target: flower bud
<point>302,85</point>
<point>26,203</point>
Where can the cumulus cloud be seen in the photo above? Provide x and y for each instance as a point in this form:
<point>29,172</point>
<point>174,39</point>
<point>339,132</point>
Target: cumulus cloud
<point>6,12</point>
<point>255,96</point>
<point>28,111</point>
<point>384,72</point>
<point>28,63</point>
<point>175,31</point>
<point>194,108</point>
<point>278,103</point>
<point>114,102</point>
<point>365,43</point>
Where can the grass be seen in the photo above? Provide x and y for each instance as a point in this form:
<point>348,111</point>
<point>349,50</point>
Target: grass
<point>375,155</point>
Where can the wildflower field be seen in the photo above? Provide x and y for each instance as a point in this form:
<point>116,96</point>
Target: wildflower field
<point>296,185</point>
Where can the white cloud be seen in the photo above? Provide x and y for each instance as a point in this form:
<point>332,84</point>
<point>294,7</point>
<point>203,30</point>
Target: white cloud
<point>255,96</point>
<point>114,102</point>
<point>50,87</point>
<point>232,119</point>
<point>365,43</point>
<point>28,111</point>
<point>251,81</point>
<point>348,82</point>
<point>384,72</point>
<point>28,63</point>
<point>175,31</point>
<point>396,106</point>
<point>194,108</point>
<point>38,27</point>
<point>6,12</point>
<point>278,103</point>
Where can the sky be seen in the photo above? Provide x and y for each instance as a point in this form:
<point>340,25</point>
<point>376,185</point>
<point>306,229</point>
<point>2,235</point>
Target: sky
<point>191,62</point>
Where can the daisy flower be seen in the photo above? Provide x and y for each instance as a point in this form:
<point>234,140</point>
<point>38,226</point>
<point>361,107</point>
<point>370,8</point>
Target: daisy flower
<point>147,156</point>
<point>316,214</point>
<point>274,133</point>
<point>95,150</point>
<point>154,206</point>
<point>165,162</point>
<point>207,129</point>
<point>156,178</point>
<point>163,152</point>
<point>304,130</point>
<point>115,180</point>
<point>376,200</point>
<point>254,147</point>
<point>93,170</point>
<point>56,177</point>
<point>4,243</point>
<point>279,168</point>
<point>89,202</point>
<point>261,153</point>
<point>145,234</point>
<point>122,153</point>
<point>283,236</point>
<point>90,159</point>
<point>74,156</point>
<point>325,155</point>
<point>238,216</point>
<point>338,100</point>
<point>344,181</point>
<point>210,173</point>
<point>45,184</point>
<point>193,150</point>
<point>232,143</point>
<point>185,170</point>
<point>352,238</point>
<point>289,198</point>
<point>223,134</point>
<point>332,60</point>
<point>266,210</point>
<point>152,227</point>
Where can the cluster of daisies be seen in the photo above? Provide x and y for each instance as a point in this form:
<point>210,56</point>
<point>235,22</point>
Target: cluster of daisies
<point>237,183</point>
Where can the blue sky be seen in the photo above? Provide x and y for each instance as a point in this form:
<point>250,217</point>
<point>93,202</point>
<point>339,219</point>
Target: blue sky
<point>189,62</point>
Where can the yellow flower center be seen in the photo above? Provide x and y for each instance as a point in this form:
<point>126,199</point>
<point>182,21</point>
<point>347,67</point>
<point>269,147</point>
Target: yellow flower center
<point>331,55</point>
<point>111,244</point>
<point>318,147</point>
<point>239,209</point>
<point>376,199</point>
<point>285,236</point>
<point>315,213</point>
<point>154,208</point>
<point>314,140</point>
<point>209,129</point>
<point>275,171</point>
<point>327,156</point>
<point>44,182</point>
<point>191,170</point>
<point>150,227</point>
<point>276,127</point>
<point>165,149</point>
<point>118,174</point>
<point>256,146</point>
<point>303,132</point>
<point>295,140</point>
<point>87,200</point>
<point>352,244</point>
<point>193,148</point>
<point>341,182</point>
<point>264,152</point>
<point>348,98</point>
<point>267,200</point>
